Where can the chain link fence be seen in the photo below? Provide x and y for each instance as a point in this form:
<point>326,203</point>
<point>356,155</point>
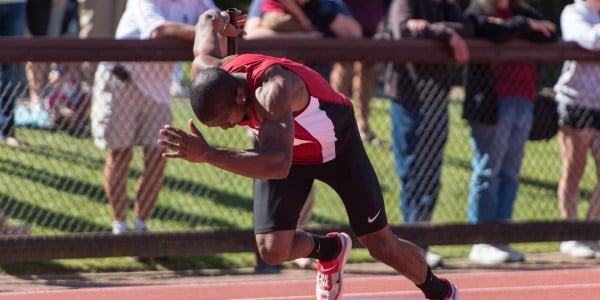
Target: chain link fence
<point>55,183</point>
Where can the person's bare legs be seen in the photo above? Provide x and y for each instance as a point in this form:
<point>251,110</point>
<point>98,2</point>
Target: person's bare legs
<point>150,182</point>
<point>573,145</point>
<point>362,92</point>
<point>404,256</point>
<point>115,182</point>
<point>594,210</point>
<point>36,79</point>
<point>341,77</point>
<point>346,27</point>
<point>344,79</point>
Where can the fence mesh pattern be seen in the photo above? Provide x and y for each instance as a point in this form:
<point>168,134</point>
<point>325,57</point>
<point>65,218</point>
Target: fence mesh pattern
<point>55,184</point>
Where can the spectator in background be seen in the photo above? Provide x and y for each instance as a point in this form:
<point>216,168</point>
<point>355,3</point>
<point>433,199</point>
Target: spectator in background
<point>255,28</point>
<point>330,18</point>
<point>285,16</point>
<point>12,23</point>
<point>58,97</point>
<point>59,92</point>
<point>419,113</point>
<point>69,93</point>
<point>131,103</point>
<point>98,19</point>
<point>38,18</point>
<point>579,119</point>
<point>49,18</point>
<point>357,79</point>
<point>500,129</point>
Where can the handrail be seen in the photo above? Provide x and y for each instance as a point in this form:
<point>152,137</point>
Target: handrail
<point>308,50</point>
<point>161,244</point>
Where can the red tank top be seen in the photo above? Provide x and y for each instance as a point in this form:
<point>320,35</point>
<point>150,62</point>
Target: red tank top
<point>515,79</point>
<point>314,137</point>
<point>272,6</point>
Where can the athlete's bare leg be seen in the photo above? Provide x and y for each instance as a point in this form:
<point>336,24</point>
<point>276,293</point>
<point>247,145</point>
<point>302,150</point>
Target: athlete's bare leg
<point>404,256</point>
<point>279,246</point>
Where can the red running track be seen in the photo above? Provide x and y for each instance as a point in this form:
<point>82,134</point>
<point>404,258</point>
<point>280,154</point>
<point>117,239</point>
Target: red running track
<point>530,285</point>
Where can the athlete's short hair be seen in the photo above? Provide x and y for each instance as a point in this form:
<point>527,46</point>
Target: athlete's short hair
<point>211,90</point>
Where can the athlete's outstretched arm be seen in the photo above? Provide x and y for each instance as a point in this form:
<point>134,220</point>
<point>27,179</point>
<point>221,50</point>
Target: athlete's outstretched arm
<point>280,94</point>
<point>210,40</point>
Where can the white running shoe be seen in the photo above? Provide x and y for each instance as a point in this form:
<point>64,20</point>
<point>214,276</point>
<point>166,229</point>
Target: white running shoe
<point>330,273</point>
<point>513,255</point>
<point>139,226</point>
<point>596,247</point>
<point>304,263</point>
<point>120,227</point>
<point>487,254</point>
<point>577,249</point>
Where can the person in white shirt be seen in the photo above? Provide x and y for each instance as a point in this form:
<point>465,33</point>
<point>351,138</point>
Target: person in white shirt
<point>130,103</point>
<point>579,118</point>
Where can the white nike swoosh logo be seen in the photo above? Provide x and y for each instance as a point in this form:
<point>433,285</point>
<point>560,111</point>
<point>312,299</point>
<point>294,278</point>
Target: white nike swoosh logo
<point>325,270</point>
<point>298,142</point>
<point>370,220</point>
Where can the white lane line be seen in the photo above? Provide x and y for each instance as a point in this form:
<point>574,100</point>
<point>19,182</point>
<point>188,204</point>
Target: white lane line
<point>370,295</point>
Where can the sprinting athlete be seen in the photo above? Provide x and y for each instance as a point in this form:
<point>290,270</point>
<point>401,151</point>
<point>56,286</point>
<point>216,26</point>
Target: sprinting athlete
<point>305,131</point>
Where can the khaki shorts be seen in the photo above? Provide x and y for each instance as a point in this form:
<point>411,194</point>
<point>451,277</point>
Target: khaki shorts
<point>122,116</point>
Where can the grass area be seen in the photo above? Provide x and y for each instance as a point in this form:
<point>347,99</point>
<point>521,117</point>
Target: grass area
<point>56,186</point>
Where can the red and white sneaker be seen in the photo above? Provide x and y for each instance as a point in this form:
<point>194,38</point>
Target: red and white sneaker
<point>330,273</point>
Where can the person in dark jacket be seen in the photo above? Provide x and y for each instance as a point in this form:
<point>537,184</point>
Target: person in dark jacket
<point>499,110</point>
<point>419,107</point>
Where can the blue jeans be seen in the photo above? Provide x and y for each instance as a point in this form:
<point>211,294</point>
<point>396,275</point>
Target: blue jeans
<point>12,23</point>
<point>497,155</point>
<point>419,134</point>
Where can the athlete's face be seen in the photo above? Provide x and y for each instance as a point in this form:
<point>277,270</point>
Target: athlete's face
<point>232,117</point>
<point>232,112</point>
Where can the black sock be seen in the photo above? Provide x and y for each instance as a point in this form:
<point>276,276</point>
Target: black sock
<point>326,247</point>
<point>433,287</point>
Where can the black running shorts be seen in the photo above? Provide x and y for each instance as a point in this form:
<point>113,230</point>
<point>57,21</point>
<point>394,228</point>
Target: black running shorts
<point>278,202</point>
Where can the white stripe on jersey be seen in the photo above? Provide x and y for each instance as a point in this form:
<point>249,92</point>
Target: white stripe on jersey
<point>320,128</point>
